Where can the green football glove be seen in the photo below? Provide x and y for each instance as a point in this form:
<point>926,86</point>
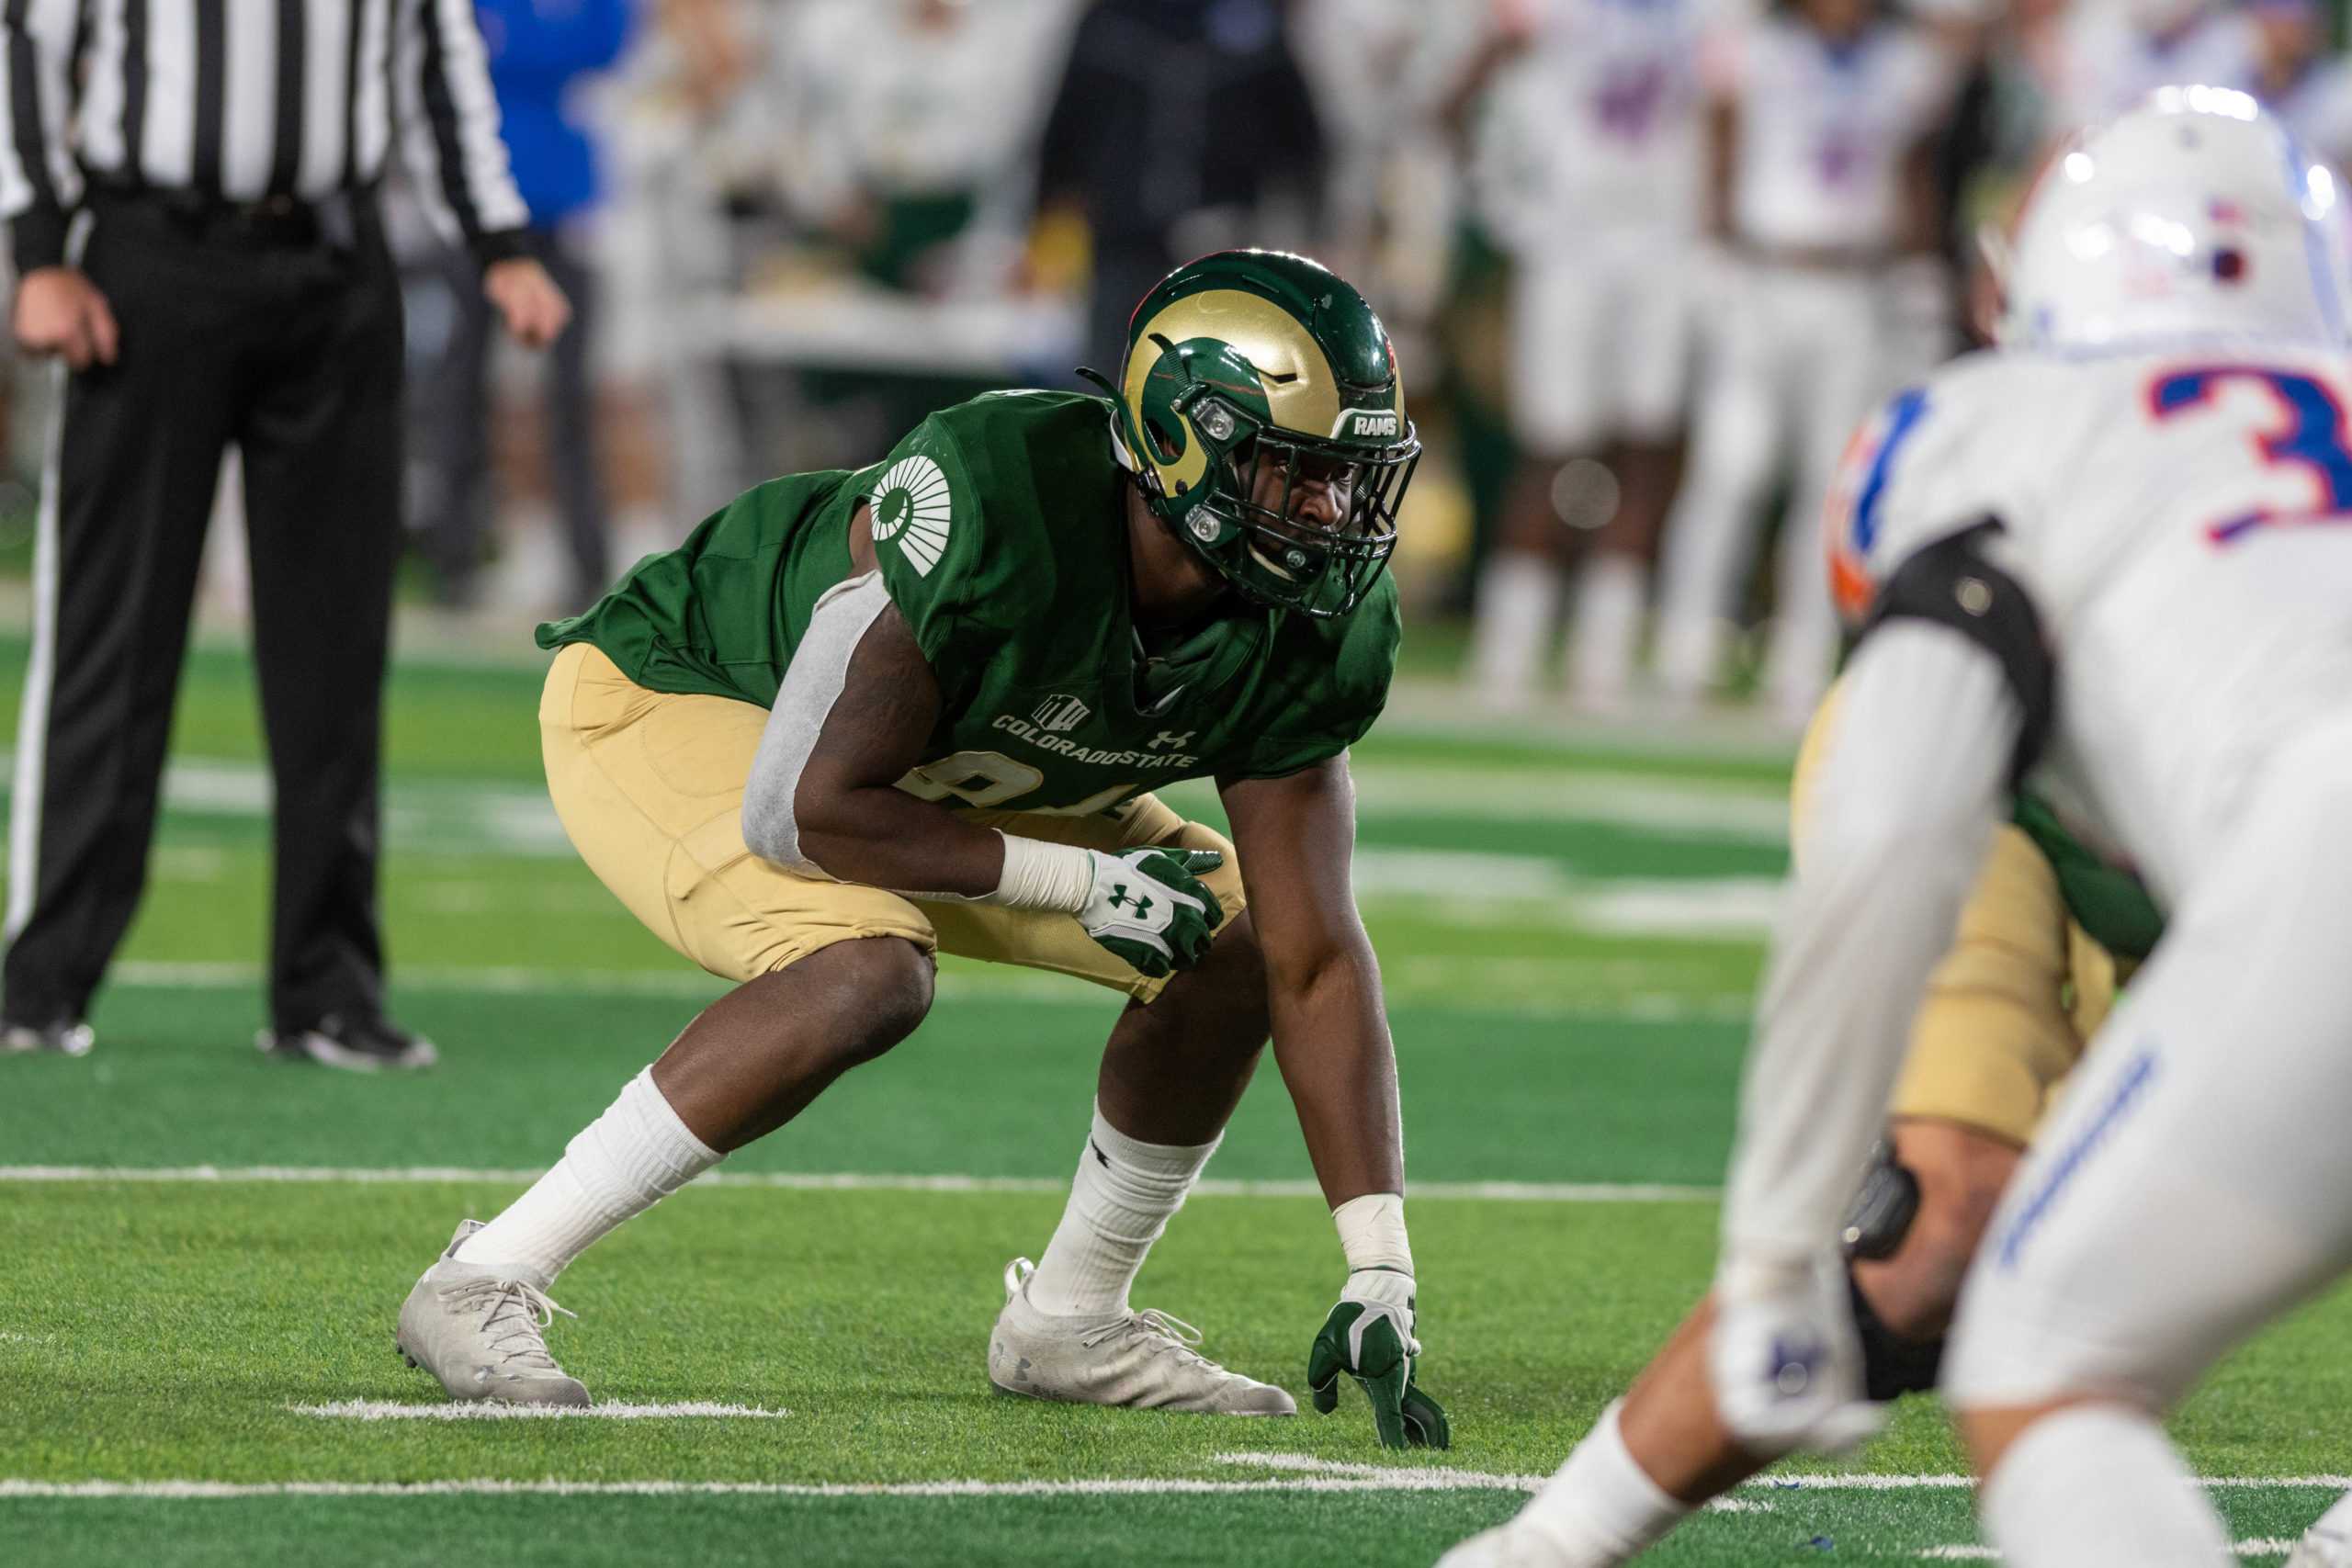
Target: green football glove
<point>1369,1336</point>
<point>1150,907</point>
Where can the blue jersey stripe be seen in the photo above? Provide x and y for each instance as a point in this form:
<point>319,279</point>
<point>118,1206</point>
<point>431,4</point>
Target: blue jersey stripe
<point>1902,415</point>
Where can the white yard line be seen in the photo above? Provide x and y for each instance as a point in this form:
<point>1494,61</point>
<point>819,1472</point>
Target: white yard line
<point>2261,1546</point>
<point>452,1410</point>
<point>1423,979</point>
<point>1303,1473</point>
<point>837,1182</point>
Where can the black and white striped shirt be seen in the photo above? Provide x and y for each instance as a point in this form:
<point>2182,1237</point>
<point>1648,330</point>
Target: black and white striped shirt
<point>247,99</point>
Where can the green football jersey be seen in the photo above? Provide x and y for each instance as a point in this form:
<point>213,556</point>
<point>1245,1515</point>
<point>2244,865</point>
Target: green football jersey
<point>2112,904</point>
<point>1001,529</point>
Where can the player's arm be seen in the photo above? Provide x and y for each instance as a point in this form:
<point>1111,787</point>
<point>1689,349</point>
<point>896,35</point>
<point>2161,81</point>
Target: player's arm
<point>854,714</point>
<point>1946,700</point>
<point>1297,839</point>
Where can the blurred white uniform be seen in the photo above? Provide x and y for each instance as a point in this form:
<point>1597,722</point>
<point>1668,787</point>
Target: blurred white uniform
<point>1818,207</point>
<point>2182,521</point>
<point>875,103</point>
<point>2318,108</point>
<point>1591,173</point>
<point>2112,56</point>
<point>1587,169</point>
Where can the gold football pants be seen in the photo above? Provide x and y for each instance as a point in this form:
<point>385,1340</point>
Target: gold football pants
<point>649,787</point>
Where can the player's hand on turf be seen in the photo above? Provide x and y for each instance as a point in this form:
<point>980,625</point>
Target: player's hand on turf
<point>1369,1336</point>
<point>58,311</point>
<point>1151,908</point>
<point>1784,1358</point>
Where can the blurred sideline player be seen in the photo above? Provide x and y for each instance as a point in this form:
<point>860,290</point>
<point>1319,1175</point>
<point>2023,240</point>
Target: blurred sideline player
<point>2025,983</point>
<point>860,717</point>
<point>2114,557</point>
<point>1819,181</point>
<point>2301,78</point>
<point>1592,172</point>
<point>2113,55</point>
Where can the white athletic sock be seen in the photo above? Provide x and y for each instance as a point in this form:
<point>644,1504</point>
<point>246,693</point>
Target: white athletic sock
<point>1518,600</point>
<point>1610,594</point>
<point>620,1164</point>
<point>1124,1191</point>
<point>1602,1508</point>
<point>2097,1486</point>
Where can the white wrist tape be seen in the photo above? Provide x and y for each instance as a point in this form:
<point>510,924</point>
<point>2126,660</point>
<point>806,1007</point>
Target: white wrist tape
<point>1039,875</point>
<point>1372,1232</point>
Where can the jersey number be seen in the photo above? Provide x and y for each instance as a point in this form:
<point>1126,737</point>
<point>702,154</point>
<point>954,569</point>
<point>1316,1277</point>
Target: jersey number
<point>987,779</point>
<point>2313,437</point>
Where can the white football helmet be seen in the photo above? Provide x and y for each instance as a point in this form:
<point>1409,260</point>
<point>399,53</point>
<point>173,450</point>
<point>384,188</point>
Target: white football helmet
<point>2193,215</point>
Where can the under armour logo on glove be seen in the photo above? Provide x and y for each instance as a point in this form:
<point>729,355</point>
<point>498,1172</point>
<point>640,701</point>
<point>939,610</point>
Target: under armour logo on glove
<point>1796,1363</point>
<point>1784,1359</point>
<point>1150,907</point>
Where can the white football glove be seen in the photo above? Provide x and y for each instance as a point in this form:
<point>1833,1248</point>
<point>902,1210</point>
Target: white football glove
<point>1784,1358</point>
<point>1150,907</point>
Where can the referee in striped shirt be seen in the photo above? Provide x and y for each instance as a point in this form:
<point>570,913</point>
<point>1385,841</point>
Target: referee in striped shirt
<point>190,188</point>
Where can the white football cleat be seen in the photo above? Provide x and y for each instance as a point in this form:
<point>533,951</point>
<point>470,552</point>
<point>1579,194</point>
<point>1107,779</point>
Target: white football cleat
<point>1146,1359</point>
<point>480,1331</point>
<point>2328,1543</point>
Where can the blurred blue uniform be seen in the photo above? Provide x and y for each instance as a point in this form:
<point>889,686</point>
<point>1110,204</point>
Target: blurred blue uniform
<point>539,51</point>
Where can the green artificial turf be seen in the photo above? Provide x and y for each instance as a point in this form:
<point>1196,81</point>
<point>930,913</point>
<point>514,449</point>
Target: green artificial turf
<point>1562,1012</point>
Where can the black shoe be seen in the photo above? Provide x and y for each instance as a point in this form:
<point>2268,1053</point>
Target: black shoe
<point>66,1036</point>
<point>355,1044</point>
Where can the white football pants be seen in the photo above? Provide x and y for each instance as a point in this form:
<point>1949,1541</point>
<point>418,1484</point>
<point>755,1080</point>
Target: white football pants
<point>1800,360</point>
<point>2197,1178</point>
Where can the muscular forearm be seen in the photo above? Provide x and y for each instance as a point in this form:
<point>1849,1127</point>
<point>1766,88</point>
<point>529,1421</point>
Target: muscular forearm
<point>884,837</point>
<point>1331,1044</point>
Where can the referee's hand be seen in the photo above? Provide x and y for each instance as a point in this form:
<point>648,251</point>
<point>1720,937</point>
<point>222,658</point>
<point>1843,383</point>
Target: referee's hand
<point>530,302</point>
<point>61,311</point>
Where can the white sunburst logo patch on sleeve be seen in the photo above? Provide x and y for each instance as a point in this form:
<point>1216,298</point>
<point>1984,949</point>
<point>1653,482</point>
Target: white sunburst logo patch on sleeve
<point>912,505</point>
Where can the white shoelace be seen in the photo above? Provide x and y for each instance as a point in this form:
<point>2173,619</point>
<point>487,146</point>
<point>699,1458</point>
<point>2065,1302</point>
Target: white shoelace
<point>1161,1332</point>
<point>514,1315</point>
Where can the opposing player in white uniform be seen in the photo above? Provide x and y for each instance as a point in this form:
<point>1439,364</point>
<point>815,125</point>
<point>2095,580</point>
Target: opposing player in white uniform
<point>2111,56</point>
<point>2301,80</point>
<point>2115,555</point>
<point>1590,168</point>
<point>1821,182</point>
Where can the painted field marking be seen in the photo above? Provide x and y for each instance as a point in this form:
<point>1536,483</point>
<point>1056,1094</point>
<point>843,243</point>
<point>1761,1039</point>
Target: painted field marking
<point>1306,1473</point>
<point>207,1491</point>
<point>1423,978</point>
<point>476,1410</point>
<point>840,1181</point>
<point>2261,1546</point>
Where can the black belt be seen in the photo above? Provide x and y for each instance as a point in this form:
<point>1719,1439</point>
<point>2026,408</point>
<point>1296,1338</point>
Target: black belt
<point>275,222</point>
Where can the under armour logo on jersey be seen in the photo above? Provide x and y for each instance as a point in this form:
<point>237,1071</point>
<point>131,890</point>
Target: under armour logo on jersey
<point>1119,899</point>
<point>1169,737</point>
<point>912,505</point>
<point>1059,713</point>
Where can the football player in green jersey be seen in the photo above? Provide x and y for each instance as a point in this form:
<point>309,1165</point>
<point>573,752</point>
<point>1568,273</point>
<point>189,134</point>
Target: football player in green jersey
<point>862,716</point>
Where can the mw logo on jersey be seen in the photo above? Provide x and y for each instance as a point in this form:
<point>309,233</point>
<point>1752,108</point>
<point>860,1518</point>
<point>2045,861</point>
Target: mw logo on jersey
<point>912,505</point>
<point>1059,713</point>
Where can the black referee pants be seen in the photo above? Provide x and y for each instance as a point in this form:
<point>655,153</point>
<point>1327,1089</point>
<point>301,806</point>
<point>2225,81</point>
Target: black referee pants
<point>288,344</point>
